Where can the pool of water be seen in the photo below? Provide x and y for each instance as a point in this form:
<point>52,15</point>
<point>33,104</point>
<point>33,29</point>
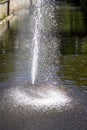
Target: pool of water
<point>56,99</point>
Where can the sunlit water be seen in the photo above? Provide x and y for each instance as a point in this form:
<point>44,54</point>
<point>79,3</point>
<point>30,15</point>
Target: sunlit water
<point>43,98</point>
<point>38,59</point>
<point>36,40</point>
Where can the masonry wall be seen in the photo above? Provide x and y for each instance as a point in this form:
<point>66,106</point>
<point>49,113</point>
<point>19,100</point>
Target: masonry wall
<point>14,4</point>
<point>3,11</point>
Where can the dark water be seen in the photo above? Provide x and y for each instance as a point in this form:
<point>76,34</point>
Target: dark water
<point>58,100</point>
<point>73,53</point>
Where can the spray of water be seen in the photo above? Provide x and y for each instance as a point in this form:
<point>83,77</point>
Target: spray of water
<point>36,39</point>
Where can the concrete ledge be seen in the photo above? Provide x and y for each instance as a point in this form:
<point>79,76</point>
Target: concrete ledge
<point>6,19</point>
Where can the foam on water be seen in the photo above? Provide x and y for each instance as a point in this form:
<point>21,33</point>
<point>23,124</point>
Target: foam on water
<point>44,98</point>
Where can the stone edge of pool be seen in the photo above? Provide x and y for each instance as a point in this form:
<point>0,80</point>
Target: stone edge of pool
<point>6,19</point>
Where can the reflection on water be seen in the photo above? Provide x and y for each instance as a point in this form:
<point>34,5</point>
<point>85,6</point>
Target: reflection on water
<point>74,69</point>
<point>73,45</point>
<point>72,19</point>
<point>7,57</point>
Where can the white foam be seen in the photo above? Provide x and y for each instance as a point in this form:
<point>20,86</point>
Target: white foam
<point>40,99</point>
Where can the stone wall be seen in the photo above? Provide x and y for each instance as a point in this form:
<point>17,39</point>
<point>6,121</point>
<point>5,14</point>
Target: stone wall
<point>14,4</point>
<point>3,11</point>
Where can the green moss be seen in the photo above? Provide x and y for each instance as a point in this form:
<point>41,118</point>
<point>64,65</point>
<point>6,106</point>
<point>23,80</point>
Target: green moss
<point>4,16</point>
<point>1,0</point>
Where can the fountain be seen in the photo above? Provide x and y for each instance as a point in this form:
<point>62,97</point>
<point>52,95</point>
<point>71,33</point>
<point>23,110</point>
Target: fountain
<point>36,90</point>
<point>36,39</point>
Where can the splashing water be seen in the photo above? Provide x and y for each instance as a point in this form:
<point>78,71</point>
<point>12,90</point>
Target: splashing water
<point>36,39</point>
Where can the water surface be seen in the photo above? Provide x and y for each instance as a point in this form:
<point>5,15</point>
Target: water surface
<point>43,65</point>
